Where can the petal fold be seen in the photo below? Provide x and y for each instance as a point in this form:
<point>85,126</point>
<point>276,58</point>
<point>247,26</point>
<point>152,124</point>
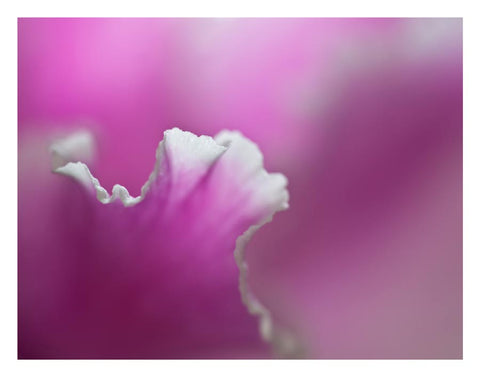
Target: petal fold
<point>202,195</point>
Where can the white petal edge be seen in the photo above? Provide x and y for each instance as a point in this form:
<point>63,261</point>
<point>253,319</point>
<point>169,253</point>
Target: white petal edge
<point>207,150</point>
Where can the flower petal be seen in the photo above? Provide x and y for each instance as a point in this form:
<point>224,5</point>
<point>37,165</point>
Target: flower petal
<point>157,274</point>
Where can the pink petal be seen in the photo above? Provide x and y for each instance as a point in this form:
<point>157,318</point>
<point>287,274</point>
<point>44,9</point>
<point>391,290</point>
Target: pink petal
<point>152,276</point>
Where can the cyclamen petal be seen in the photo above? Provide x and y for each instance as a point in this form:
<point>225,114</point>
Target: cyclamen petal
<point>164,258</point>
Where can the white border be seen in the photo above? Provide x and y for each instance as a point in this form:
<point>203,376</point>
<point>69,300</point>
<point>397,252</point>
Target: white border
<point>245,8</point>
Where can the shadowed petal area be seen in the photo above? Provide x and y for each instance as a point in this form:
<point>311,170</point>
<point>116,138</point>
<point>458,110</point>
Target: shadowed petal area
<point>376,270</point>
<point>152,276</point>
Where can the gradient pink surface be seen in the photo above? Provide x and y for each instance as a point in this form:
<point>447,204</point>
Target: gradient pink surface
<point>363,116</point>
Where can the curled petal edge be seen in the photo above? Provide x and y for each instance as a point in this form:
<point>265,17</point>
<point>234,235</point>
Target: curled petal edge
<point>283,342</point>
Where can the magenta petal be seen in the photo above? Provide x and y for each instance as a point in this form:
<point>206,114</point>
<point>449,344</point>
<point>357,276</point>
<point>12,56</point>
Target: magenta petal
<point>152,276</point>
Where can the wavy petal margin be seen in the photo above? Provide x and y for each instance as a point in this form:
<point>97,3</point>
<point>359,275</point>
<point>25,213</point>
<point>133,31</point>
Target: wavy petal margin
<point>182,161</point>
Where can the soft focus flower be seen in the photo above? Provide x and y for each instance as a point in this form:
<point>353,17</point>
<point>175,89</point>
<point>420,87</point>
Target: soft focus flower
<point>147,276</point>
<point>364,116</point>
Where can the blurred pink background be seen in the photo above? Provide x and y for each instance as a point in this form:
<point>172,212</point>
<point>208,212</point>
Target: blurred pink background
<point>363,116</point>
